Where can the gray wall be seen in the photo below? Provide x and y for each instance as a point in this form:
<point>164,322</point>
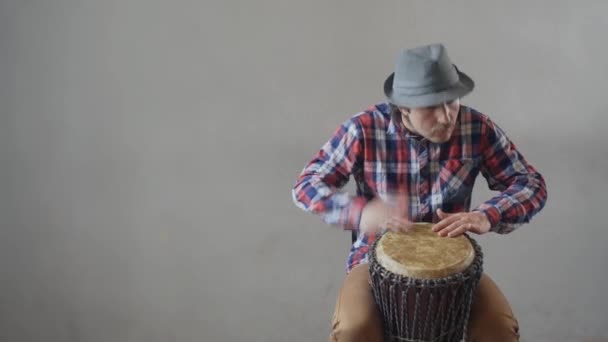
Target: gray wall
<point>148,150</point>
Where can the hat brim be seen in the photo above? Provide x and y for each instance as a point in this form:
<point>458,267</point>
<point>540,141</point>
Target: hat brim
<point>464,86</point>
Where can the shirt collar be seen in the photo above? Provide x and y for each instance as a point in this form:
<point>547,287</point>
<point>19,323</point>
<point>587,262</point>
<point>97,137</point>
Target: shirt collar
<point>397,128</point>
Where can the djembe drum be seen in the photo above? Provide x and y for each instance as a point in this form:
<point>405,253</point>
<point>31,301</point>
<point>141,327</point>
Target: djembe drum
<point>423,284</point>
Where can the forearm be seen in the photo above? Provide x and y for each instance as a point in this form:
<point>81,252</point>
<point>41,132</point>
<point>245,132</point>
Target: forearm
<point>337,208</point>
<point>516,204</point>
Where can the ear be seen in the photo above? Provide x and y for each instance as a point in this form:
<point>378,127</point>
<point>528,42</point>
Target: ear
<point>404,110</point>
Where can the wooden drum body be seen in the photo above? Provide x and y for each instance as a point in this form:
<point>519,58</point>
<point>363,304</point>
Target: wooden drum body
<point>423,284</point>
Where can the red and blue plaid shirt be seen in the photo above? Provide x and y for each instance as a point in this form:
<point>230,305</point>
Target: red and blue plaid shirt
<point>385,158</point>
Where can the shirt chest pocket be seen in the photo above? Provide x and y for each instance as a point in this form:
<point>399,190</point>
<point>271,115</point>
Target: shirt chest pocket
<point>456,178</point>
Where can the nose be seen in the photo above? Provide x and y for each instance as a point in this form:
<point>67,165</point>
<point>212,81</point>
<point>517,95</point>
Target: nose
<point>444,116</point>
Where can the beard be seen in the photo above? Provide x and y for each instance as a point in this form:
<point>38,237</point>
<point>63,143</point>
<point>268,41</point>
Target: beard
<point>442,128</point>
<point>441,133</point>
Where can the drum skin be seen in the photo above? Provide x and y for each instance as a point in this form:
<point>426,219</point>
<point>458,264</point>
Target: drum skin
<point>422,254</point>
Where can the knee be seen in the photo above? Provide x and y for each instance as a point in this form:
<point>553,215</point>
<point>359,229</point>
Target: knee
<point>495,328</point>
<point>367,330</point>
<point>491,316</point>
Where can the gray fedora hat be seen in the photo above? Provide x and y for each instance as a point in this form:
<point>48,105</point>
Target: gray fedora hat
<point>425,76</point>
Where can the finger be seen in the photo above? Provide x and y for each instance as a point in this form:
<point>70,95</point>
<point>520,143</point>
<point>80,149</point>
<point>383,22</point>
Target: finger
<point>460,230</point>
<point>445,222</point>
<point>404,225</point>
<point>398,224</point>
<point>442,214</point>
<point>393,228</point>
<point>454,225</point>
<point>391,225</point>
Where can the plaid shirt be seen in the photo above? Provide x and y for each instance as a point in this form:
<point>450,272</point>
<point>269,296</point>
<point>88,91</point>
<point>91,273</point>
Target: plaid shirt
<point>384,158</point>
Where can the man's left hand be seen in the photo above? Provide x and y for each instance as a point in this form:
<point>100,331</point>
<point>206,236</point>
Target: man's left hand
<point>452,225</point>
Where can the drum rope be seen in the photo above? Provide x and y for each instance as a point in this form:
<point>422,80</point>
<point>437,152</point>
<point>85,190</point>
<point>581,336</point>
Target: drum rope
<point>392,293</point>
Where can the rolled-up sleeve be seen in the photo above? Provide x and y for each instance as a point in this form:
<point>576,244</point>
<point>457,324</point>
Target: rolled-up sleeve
<point>523,191</point>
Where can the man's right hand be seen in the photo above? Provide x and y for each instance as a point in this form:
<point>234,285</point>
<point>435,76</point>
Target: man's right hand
<point>378,214</point>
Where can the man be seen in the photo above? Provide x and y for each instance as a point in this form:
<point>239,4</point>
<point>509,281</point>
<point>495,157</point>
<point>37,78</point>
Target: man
<point>415,158</point>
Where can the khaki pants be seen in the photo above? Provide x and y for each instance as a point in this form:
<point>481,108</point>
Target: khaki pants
<point>356,317</point>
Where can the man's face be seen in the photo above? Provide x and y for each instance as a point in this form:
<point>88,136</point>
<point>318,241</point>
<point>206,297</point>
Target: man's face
<point>434,123</point>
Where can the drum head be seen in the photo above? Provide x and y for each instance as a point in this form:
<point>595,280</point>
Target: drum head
<point>422,254</point>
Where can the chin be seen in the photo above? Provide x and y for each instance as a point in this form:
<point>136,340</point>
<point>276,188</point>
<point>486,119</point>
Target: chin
<point>438,139</point>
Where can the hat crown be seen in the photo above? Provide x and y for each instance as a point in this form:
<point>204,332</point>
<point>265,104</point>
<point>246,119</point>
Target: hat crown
<point>424,68</point>
<point>425,76</point>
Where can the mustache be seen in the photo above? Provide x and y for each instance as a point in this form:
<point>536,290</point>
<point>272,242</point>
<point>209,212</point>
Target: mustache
<point>443,127</point>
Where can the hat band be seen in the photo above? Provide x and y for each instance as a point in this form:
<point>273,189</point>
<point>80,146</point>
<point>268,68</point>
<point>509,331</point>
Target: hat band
<point>414,91</point>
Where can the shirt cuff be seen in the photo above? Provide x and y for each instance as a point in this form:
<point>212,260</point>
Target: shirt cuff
<point>353,213</point>
<point>493,215</point>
